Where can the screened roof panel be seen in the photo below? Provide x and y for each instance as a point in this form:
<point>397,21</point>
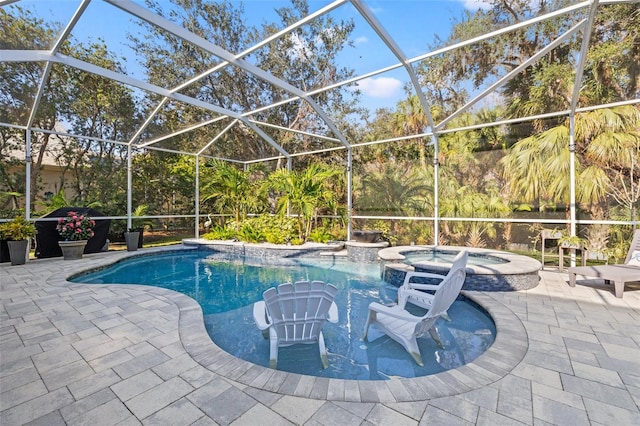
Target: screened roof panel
<point>109,114</point>
<point>612,67</point>
<point>239,143</point>
<point>537,89</point>
<point>19,91</point>
<point>250,92</point>
<point>367,52</point>
<point>172,116</point>
<point>266,62</point>
<point>45,20</point>
<point>194,140</point>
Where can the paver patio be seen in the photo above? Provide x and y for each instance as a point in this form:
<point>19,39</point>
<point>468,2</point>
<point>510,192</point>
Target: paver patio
<point>119,355</point>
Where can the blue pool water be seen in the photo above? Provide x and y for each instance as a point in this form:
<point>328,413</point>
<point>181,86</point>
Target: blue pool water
<point>227,286</point>
<point>447,256</point>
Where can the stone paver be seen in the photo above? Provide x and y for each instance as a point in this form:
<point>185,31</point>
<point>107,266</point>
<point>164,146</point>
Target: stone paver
<point>102,355</point>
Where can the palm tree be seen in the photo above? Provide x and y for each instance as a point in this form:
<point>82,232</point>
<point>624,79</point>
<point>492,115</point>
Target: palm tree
<point>395,189</point>
<point>410,119</point>
<point>607,158</point>
<point>304,192</point>
<point>231,189</point>
<point>466,201</point>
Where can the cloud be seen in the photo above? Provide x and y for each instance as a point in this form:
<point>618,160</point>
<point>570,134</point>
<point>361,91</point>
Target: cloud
<point>381,87</point>
<point>361,40</point>
<point>475,4</point>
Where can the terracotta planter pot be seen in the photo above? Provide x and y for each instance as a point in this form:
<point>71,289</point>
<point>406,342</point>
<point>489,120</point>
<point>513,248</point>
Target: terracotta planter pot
<point>72,250</point>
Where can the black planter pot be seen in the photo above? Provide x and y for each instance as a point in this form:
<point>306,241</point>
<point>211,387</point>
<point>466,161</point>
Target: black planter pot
<point>141,237</point>
<point>4,252</point>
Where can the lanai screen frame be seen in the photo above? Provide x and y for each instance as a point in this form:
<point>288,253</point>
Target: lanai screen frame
<point>53,56</point>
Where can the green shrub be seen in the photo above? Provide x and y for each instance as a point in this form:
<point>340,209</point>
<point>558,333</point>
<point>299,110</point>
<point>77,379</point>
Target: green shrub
<point>320,235</point>
<point>17,229</point>
<point>250,234</point>
<point>273,229</point>
<point>338,233</point>
<point>220,233</point>
<point>269,228</point>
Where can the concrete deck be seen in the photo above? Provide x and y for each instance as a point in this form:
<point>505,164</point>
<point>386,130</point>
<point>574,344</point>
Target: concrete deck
<point>118,355</point>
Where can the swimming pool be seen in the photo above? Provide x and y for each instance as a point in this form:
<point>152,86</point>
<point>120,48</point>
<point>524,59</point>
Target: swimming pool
<point>226,286</point>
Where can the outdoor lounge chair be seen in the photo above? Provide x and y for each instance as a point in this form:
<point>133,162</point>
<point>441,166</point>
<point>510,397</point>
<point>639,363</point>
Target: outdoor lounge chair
<point>420,294</point>
<point>619,274</point>
<point>295,313</point>
<point>404,327</point>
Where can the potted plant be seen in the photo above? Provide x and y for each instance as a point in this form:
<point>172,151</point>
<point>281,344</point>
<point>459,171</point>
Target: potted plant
<point>18,232</point>
<point>75,229</point>
<point>139,225</point>
<point>132,239</point>
<point>572,241</point>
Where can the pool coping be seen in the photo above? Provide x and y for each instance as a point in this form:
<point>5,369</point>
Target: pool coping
<point>508,350</point>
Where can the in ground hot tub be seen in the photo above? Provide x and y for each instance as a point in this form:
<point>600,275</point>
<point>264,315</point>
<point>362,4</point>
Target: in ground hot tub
<point>487,270</point>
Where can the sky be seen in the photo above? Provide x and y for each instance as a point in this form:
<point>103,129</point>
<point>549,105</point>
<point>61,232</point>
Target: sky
<point>412,24</point>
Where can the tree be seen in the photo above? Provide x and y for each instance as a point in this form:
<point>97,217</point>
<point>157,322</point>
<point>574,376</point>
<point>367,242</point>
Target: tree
<point>608,154</point>
<point>232,189</point>
<point>72,101</point>
<point>394,189</point>
<point>304,58</point>
<point>410,119</point>
<point>109,113</point>
<point>18,87</point>
<point>304,192</point>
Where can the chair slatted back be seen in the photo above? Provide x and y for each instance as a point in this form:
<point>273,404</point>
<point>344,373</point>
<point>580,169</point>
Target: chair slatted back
<point>635,245</point>
<point>443,298</point>
<point>298,311</point>
<point>460,261</point>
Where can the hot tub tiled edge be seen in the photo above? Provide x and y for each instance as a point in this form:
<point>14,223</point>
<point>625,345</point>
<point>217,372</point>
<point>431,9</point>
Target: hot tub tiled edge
<point>519,273</point>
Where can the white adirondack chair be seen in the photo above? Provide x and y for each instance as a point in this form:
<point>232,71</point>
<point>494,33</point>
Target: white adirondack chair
<point>416,293</point>
<point>404,327</point>
<point>296,313</point>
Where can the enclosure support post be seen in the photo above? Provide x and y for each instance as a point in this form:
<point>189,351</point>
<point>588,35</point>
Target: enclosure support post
<point>436,200</point>
<point>197,197</point>
<point>289,166</point>
<point>572,182</point>
<point>577,84</point>
<point>129,186</point>
<point>27,186</point>
<point>349,191</point>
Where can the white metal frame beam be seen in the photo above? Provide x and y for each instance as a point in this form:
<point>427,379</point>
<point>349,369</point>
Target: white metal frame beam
<point>216,50</point>
<point>244,53</point>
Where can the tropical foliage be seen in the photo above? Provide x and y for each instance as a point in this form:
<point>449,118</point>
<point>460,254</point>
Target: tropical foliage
<point>304,193</point>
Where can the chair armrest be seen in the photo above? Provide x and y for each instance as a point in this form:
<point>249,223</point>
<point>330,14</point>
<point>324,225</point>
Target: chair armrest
<point>409,292</point>
<point>416,297</point>
<point>410,275</point>
<point>393,311</point>
<point>417,286</point>
<point>260,315</point>
<point>333,313</point>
